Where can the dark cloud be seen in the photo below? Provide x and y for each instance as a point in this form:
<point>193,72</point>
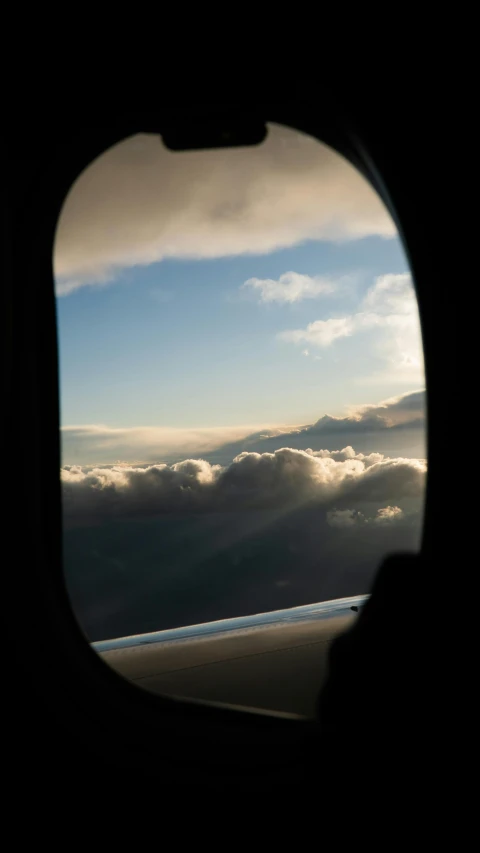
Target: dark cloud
<point>160,546</point>
<point>168,545</point>
<point>384,423</point>
<point>128,576</point>
<point>348,518</point>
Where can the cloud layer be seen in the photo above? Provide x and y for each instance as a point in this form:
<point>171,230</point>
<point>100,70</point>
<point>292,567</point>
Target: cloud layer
<point>139,203</point>
<point>286,478</point>
<point>386,423</point>
<point>162,545</point>
<point>99,444</point>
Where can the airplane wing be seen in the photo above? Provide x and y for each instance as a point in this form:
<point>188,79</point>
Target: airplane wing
<point>272,661</point>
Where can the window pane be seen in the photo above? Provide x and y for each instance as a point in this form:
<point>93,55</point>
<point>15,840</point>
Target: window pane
<point>242,406</point>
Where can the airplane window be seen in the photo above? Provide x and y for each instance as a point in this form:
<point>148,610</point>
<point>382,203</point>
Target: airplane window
<point>242,411</point>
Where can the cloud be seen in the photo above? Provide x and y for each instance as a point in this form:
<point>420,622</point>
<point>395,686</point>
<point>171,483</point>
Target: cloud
<point>290,287</point>
<point>287,478</point>
<point>100,444</point>
<point>349,453</point>
<point>145,547</point>
<point>348,518</point>
<point>388,514</point>
<point>392,294</point>
<point>139,203</point>
<point>342,518</point>
<point>320,333</point>
<point>395,411</point>
<point>395,426</point>
<point>402,411</point>
<point>97,443</point>
<point>389,314</point>
<point>394,306</point>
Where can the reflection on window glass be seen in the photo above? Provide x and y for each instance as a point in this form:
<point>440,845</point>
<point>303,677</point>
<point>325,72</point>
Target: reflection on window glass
<point>242,386</point>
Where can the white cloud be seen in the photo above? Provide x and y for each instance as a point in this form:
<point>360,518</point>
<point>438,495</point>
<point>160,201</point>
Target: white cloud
<point>388,514</point>
<point>392,294</point>
<point>389,314</point>
<point>349,453</point>
<point>139,203</point>
<point>290,287</point>
<point>286,478</point>
<point>320,333</point>
<point>393,301</point>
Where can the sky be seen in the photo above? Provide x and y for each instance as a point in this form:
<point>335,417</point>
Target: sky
<point>241,383</point>
<point>206,296</point>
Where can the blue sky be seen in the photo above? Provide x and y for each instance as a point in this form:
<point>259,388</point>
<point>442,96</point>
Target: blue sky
<point>182,344</point>
<point>157,328</point>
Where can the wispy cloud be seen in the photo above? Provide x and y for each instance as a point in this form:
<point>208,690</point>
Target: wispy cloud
<point>320,333</point>
<point>389,311</point>
<point>97,443</point>
<point>139,203</point>
<point>290,287</point>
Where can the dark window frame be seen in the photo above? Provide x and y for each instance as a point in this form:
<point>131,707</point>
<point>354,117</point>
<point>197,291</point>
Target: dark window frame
<point>95,705</point>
